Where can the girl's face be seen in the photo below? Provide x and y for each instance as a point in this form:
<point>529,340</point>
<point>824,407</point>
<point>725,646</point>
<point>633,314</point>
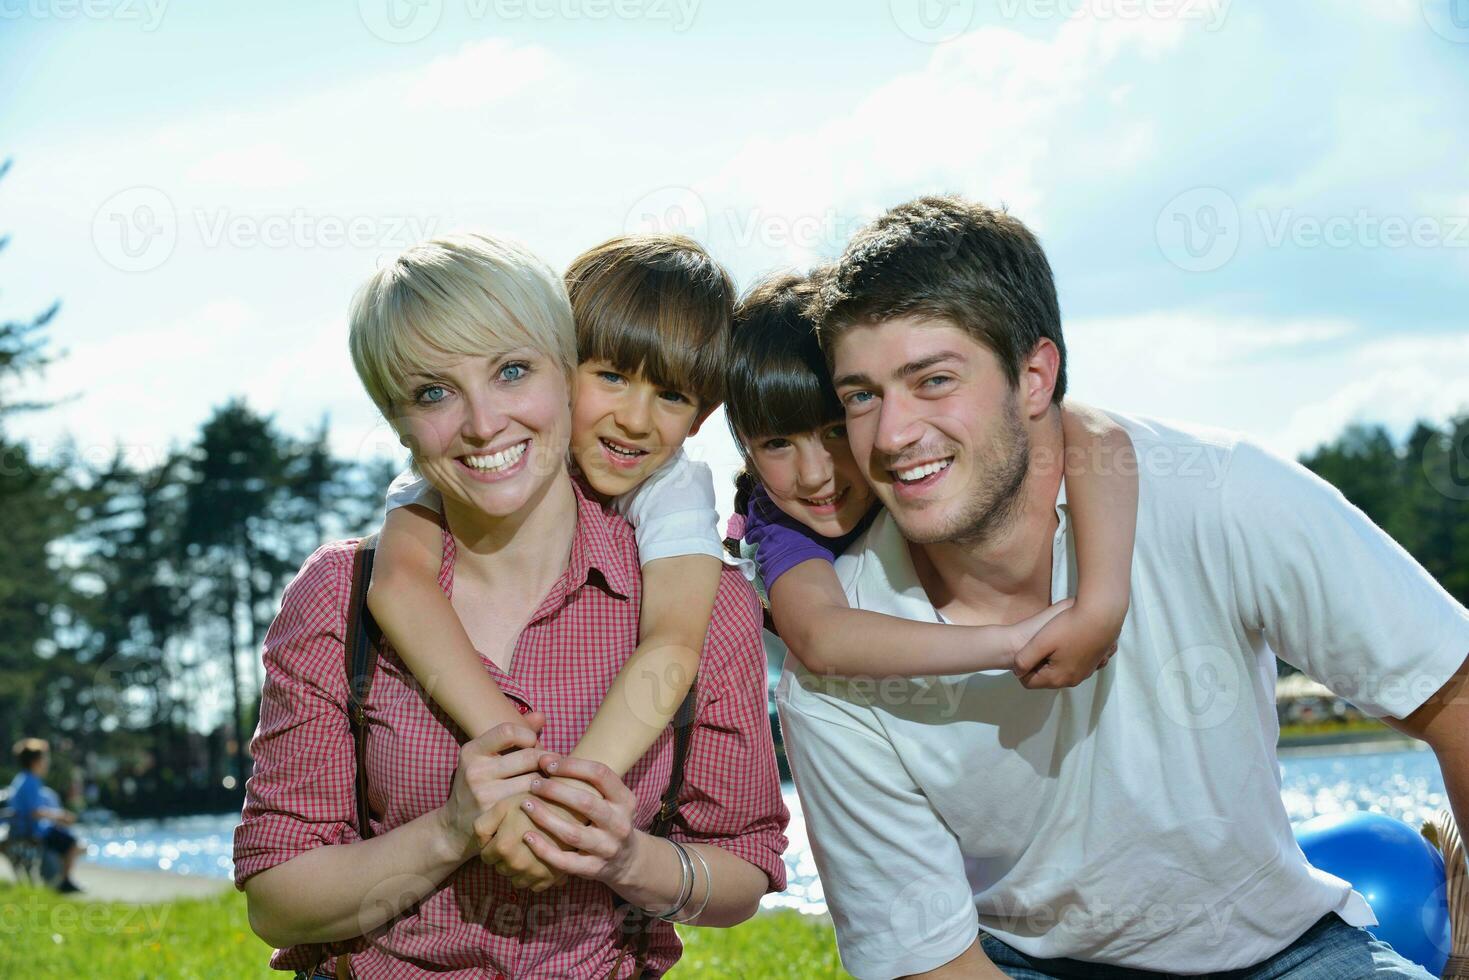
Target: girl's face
<point>490,433</point>
<point>813,478</point>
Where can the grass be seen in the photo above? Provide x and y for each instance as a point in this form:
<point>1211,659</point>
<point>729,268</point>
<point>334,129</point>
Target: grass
<point>1355,727</point>
<point>45,934</point>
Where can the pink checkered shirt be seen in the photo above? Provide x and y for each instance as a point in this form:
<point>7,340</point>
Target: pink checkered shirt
<point>475,924</point>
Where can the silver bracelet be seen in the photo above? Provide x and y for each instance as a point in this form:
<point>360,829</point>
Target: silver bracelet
<point>708,890</point>
<point>686,884</point>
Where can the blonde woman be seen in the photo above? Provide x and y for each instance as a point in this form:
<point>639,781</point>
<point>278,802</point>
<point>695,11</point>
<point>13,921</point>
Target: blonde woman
<point>547,585</point>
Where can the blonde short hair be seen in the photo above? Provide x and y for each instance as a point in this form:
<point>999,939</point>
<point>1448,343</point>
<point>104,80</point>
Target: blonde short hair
<point>464,294</point>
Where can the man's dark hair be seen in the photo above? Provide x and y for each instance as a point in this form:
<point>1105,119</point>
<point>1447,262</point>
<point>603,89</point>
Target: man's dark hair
<point>952,259</point>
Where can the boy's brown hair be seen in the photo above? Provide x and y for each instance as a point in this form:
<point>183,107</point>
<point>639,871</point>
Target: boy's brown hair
<point>951,259</point>
<point>655,305</point>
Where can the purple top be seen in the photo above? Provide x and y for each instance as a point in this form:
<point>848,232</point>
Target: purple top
<point>781,542</point>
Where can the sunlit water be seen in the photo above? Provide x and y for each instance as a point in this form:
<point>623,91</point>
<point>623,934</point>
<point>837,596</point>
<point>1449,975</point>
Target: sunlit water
<point>1402,784</point>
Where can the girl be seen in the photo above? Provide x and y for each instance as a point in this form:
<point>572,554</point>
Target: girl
<point>804,502</point>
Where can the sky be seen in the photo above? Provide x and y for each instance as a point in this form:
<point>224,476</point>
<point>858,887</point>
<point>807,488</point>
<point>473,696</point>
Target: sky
<point>1257,213</point>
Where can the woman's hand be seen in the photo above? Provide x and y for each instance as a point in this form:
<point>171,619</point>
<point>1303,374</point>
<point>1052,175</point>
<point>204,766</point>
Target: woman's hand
<point>605,849</point>
<point>493,769</point>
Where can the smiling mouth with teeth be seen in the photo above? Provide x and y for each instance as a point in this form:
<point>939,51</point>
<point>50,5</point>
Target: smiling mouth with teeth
<point>823,502</point>
<point>917,473</point>
<point>627,452</point>
<point>494,462</point>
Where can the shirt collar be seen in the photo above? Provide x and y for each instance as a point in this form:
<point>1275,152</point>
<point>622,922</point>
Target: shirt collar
<point>595,557</point>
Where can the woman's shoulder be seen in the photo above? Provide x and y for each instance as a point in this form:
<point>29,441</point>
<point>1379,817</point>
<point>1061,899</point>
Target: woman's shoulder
<point>320,590</point>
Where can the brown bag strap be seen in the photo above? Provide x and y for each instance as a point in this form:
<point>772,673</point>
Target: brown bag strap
<point>363,641</point>
<point>360,659</point>
<point>639,926</point>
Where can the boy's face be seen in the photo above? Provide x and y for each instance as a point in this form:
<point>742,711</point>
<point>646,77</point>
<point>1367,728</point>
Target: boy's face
<point>623,427</point>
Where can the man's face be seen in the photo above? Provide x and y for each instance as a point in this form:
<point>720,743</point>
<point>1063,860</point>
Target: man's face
<point>934,425</point>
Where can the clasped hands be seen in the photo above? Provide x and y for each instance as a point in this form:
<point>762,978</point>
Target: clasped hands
<point>538,816</point>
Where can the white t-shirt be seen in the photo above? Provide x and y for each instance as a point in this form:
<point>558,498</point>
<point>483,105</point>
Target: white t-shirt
<point>672,512</point>
<point>1136,819</point>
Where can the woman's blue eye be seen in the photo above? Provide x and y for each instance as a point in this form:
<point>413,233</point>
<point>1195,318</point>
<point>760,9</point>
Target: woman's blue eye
<point>430,394</point>
<point>611,377</point>
<point>513,372</point>
<point>674,396</point>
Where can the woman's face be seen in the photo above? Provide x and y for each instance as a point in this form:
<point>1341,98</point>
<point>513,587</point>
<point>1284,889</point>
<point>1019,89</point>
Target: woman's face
<point>813,478</point>
<point>489,433</point>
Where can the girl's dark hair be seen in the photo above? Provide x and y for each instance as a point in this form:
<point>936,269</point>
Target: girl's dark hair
<point>776,379</point>
<point>745,484</point>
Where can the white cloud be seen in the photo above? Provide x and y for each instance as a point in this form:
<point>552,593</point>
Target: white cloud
<point>1293,383</point>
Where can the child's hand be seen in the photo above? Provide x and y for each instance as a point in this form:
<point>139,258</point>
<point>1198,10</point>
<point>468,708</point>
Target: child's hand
<point>509,854</point>
<point>1024,631</point>
<point>508,851</point>
<point>1067,650</point>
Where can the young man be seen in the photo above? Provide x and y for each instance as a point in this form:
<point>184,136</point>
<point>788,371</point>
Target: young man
<point>38,810</point>
<point>1133,820</point>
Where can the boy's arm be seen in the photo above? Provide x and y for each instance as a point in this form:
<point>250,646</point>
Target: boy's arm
<point>678,600</point>
<point>419,620</point>
<point>407,602</point>
<point>829,637</point>
<point>1101,493</point>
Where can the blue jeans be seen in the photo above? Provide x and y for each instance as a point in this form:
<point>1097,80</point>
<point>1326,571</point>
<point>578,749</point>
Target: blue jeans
<point>1329,950</point>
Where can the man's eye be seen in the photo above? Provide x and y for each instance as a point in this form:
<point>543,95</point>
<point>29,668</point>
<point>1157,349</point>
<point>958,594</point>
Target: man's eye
<point>857,398</point>
<point>430,394</point>
<point>936,380</point>
<point>514,371</point>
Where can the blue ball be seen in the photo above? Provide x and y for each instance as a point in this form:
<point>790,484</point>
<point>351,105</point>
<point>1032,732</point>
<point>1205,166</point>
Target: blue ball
<point>1399,873</point>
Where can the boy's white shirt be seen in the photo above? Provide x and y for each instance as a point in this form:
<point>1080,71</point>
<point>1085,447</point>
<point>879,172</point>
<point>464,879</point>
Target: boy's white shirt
<point>672,512</point>
<point>1135,819</point>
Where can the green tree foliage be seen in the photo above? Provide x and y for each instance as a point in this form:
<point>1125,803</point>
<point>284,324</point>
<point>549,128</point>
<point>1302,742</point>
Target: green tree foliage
<point>1416,491</point>
<point>39,512</point>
